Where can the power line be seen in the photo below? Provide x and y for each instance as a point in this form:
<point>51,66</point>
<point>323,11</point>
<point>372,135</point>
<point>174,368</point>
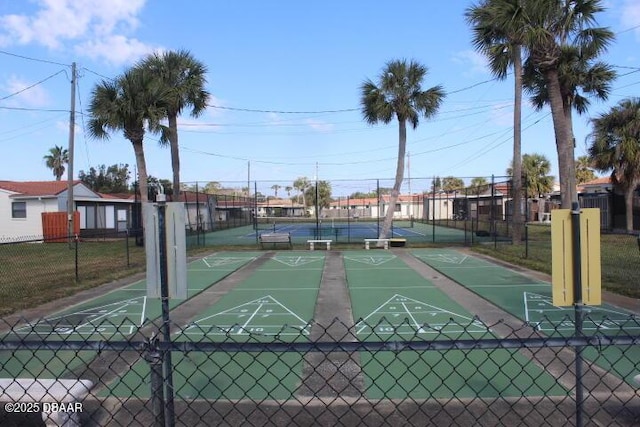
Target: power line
<point>97,74</point>
<point>251,110</point>
<point>42,110</point>
<point>28,58</point>
<point>31,86</point>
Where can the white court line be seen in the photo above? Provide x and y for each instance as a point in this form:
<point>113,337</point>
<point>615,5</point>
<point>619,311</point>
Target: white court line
<point>413,319</point>
<point>92,321</point>
<point>144,307</point>
<point>508,284</point>
<point>275,289</point>
<point>205,261</point>
<point>249,319</point>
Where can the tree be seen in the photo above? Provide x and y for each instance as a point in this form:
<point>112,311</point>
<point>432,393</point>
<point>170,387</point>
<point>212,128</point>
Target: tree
<point>112,179</point>
<point>436,185</point>
<point>288,189</point>
<point>451,183</point>
<point>154,184</point>
<point>584,171</point>
<point>324,194</point>
<point>275,188</point>
<point>398,94</point>
<point>183,78</point>
<point>497,33</point>
<point>555,30</point>
<point>301,184</point>
<point>56,159</point>
<point>128,104</point>
<point>615,147</point>
<point>479,185</point>
<point>535,171</point>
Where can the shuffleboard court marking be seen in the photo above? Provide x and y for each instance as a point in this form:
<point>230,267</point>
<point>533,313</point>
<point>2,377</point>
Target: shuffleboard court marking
<point>92,320</point>
<point>369,259</point>
<point>417,312</point>
<point>540,312</point>
<point>296,261</point>
<point>446,258</point>
<point>213,262</point>
<point>251,317</point>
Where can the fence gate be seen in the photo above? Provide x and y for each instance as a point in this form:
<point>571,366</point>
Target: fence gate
<point>602,202</point>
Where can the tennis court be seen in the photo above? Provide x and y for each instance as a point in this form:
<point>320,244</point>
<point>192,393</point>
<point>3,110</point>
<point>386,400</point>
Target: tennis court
<point>340,230</point>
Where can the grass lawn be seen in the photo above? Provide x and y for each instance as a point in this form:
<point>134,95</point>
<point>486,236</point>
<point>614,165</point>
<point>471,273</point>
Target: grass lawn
<point>36,273</point>
<point>620,258</point>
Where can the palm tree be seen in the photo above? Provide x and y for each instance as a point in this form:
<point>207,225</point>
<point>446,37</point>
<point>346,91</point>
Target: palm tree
<point>275,188</point>
<point>56,159</point>
<point>555,29</point>
<point>615,147</point>
<point>301,184</point>
<point>479,185</point>
<point>128,104</point>
<point>535,171</point>
<point>183,78</point>
<point>399,94</point>
<point>497,33</point>
<point>584,171</point>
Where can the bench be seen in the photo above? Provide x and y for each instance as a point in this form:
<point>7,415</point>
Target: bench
<point>275,238</point>
<point>313,242</point>
<point>397,242</point>
<point>545,217</point>
<point>368,241</point>
<point>59,400</point>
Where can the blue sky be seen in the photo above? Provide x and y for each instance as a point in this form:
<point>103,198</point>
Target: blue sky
<point>290,62</point>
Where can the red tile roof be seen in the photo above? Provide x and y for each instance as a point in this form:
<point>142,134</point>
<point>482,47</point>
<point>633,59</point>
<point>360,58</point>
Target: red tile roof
<point>36,188</point>
<point>598,181</point>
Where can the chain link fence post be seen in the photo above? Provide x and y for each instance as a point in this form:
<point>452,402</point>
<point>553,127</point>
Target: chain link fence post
<point>154,358</point>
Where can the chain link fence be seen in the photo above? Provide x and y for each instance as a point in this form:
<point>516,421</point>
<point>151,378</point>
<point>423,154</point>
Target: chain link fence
<point>37,270</point>
<point>321,374</point>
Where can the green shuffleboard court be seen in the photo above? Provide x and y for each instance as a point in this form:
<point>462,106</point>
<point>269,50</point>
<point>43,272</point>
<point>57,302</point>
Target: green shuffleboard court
<point>276,303</point>
<point>393,302</point>
<point>114,315</point>
<point>530,300</point>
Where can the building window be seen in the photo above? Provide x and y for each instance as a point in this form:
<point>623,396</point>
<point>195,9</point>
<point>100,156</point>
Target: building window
<point>18,209</point>
<point>398,207</point>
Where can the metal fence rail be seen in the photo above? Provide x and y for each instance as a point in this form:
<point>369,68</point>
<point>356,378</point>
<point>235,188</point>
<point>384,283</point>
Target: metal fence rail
<point>322,375</point>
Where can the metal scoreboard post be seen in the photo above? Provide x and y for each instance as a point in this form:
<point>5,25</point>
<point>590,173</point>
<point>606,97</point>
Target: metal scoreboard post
<point>175,249</point>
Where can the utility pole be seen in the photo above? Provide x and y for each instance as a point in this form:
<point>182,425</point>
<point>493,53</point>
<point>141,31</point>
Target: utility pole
<point>72,125</point>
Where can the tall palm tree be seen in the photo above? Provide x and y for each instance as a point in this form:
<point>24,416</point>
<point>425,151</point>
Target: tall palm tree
<point>553,28</point>
<point>615,147</point>
<point>301,184</point>
<point>535,170</point>
<point>56,159</point>
<point>497,34</point>
<point>398,94</point>
<point>128,104</point>
<point>275,188</point>
<point>183,78</point>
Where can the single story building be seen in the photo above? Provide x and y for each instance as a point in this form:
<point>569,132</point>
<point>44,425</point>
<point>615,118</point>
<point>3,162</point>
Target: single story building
<point>22,204</point>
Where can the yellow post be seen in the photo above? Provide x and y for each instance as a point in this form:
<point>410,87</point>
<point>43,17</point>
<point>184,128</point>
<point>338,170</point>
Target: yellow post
<point>562,257</point>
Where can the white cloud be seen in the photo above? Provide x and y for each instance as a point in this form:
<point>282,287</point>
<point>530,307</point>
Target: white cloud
<point>35,96</point>
<point>319,125</point>
<point>630,15</point>
<point>116,49</point>
<point>95,28</point>
<point>475,62</point>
